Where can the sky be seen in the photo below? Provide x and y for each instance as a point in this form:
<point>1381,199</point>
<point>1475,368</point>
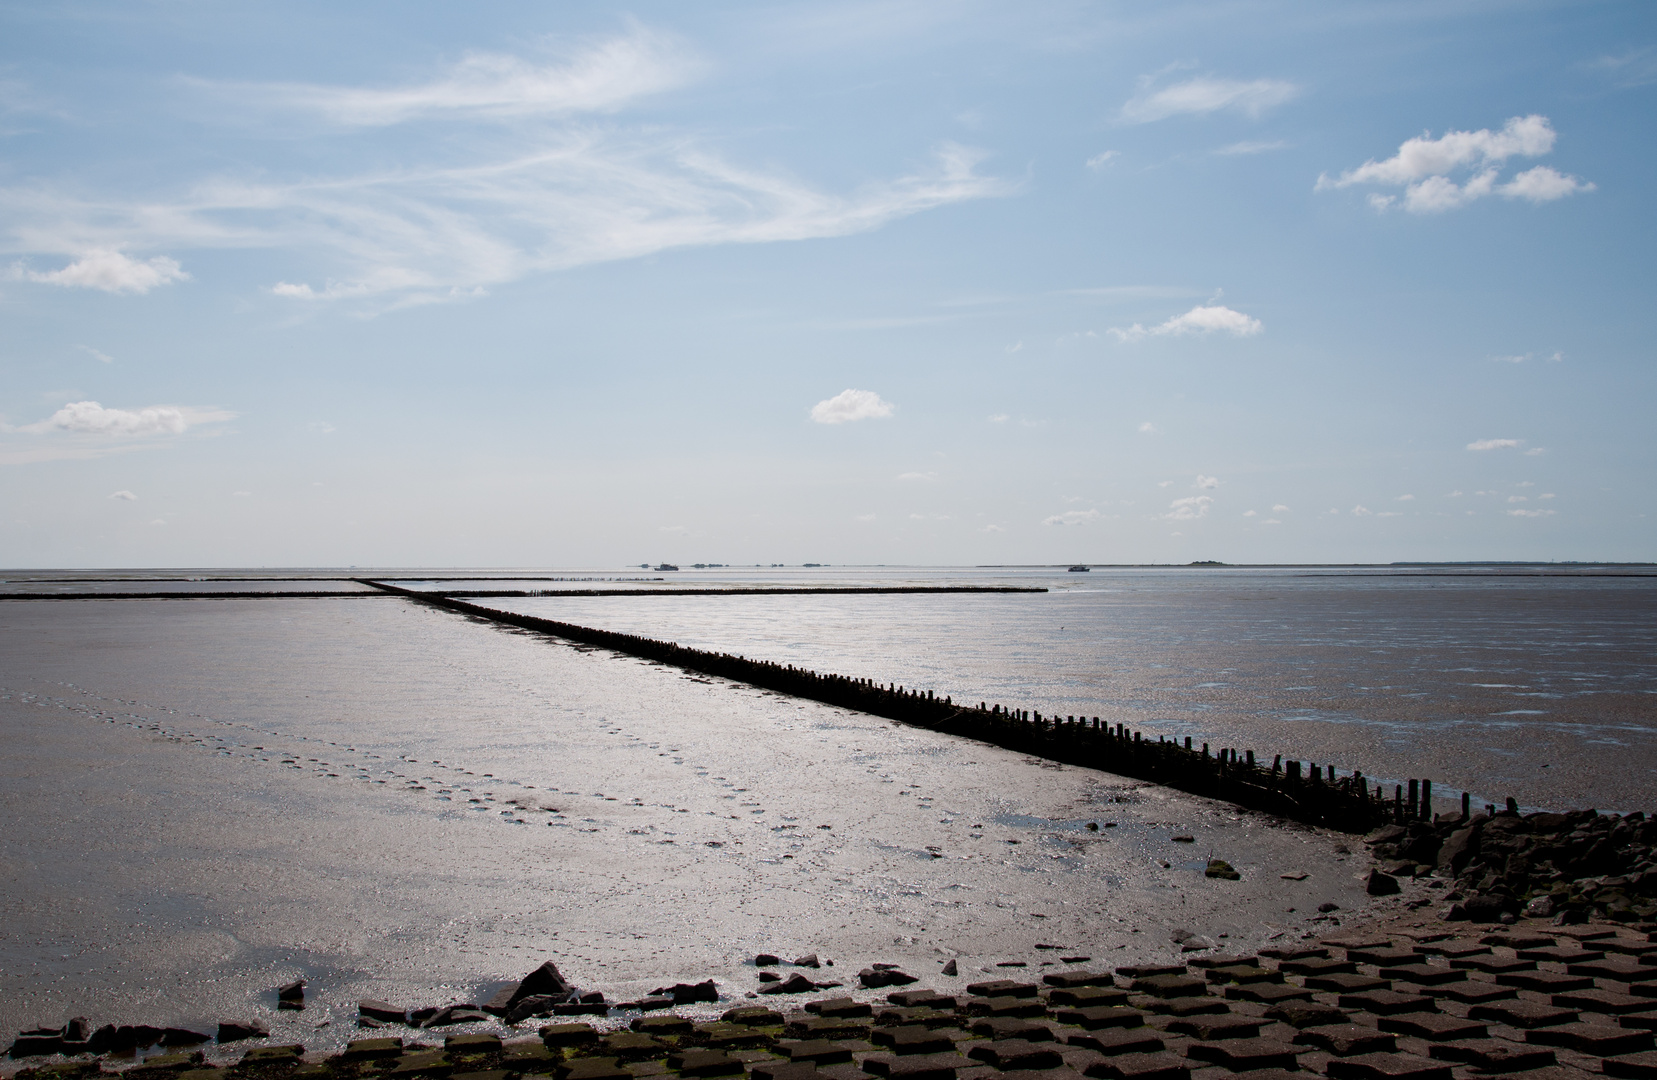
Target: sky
<point>593,284</point>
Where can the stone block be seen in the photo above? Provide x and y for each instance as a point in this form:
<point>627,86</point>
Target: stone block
<point>1347,1040</point>
<point>1434,1026</point>
<point>1388,1067</point>
<point>1600,1040</point>
<point>1244,1055</point>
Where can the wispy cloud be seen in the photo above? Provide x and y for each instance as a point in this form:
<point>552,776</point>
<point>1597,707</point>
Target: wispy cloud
<point>849,405</point>
<point>123,496</point>
<point>1423,167</point>
<point>1072,517</point>
<point>1524,513</point>
<point>91,418</point>
<point>1242,148</point>
<point>600,76</point>
<point>1147,428</point>
<point>1099,162</point>
<point>1638,67</point>
<point>1205,94</point>
<point>107,271</point>
<point>925,477</point>
<point>96,354</point>
<point>1202,319</point>
<point>1189,508</point>
<point>1494,444</point>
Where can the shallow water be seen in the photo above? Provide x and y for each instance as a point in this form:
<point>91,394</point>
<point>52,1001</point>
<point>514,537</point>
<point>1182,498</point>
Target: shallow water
<point>206,798</point>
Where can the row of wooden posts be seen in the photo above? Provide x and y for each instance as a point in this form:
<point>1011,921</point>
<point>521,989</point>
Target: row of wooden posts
<point>1316,795</point>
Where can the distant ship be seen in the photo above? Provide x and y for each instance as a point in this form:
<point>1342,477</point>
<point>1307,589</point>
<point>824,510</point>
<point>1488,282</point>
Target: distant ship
<point>1080,569</point>
<point>667,566</point>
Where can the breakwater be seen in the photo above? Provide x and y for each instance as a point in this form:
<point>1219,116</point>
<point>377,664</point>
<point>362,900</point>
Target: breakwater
<point>1311,793</point>
<point>740,590</point>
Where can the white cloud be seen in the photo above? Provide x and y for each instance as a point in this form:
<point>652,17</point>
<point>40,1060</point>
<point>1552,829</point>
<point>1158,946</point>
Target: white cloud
<point>1547,495</point>
<point>1206,483</point>
<point>1542,184</point>
<point>1637,67</point>
<point>1250,513</point>
<point>1518,498</point>
<point>1530,513</point>
<point>107,270</point>
<point>1202,319</point>
<point>676,529</point>
<point>91,418</point>
<point>992,528</point>
<point>1271,521</point>
<point>851,405</point>
<point>1072,517</point>
<point>1405,498</point>
<point>998,418</point>
<point>95,354</point>
<point>925,477</point>
<point>242,494</point>
<point>1280,509</point>
<point>601,77</point>
<point>1238,148</point>
<point>1423,166</point>
<point>1164,483</point>
<point>1453,495</point>
<point>123,496</point>
<point>1147,428</point>
<point>1536,451</point>
<point>1511,359</point>
<point>1189,508</point>
<point>1099,162</point>
<point>1494,444</point>
<point>1205,95</point>
<point>1362,511</point>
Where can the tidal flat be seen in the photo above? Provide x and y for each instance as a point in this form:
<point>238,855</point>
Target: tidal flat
<point>207,799</point>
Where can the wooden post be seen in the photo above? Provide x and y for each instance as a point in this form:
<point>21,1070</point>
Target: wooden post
<point>1426,800</point>
<point>1466,806</point>
<point>1412,807</point>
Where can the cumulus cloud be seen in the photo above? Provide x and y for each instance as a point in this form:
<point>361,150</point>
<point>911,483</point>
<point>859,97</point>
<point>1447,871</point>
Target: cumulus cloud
<point>1202,319</point>
<point>108,271</point>
<point>1147,428</point>
<point>91,418</point>
<point>1206,483</point>
<point>1423,167</point>
<point>1189,508</point>
<point>1405,498</point>
<point>1362,511</point>
<point>849,405</point>
<point>1530,513</point>
<point>1204,95</point>
<point>123,496</point>
<point>1280,509</point>
<point>925,477</point>
<point>1494,444</point>
<point>1072,517</point>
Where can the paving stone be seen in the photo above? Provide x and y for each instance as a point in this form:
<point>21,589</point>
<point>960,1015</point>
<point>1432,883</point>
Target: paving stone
<point>1454,949</point>
<point>1517,939</point>
<point>1306,1014</point>
<point>1004,1006</point>
<point>1523,1014</point>
<point>1242,974</point>
<point>1471,992</point>
<point>1493,964</point>
<point>632,1046</point>
<point>1493,1055</point>
<point>1070,979</point>
<point>1434,1027</point>
<point>840,1008</point>
<point>1171,986</point>
<point>1088,995</point>
<point>1317,965</point>
<point>1007,1054</point>
<point>727,1036</point>
<point>1425,974</point>
<point>916,1039</point>
<point>1242,1055</point>
<point>1388,1067</point>
<point>1192,1006</point>
<point>827,1027</point>
<point>481,1074</point>
<point>751,1015</point>
<point>526,1055</point>
<point>917,1014</point>
<point>940,1066</point>
<point>1619,968</point>
<point>1346,983</point>
<point>593,1068</point>
<point>1601,1040</point>
<point>1215,1028</point>
<point>1561,954</point>
<point>1357,941</point>
<point>1627,947</point>
<point>922,999</point>
<point>1114,1041</point>
<point>574,1034</point>
<point>1387,1002</point>
<point>1646,1021</point>
<point>1063,1072</point>
<point>704,1063</point>
<point>1294,952</point>
<point>1157,1066</point>
<point>1012,1028</point>
<point>1145,971</point>
<point>1223,960</point>
<point>477,1042</point>
<point>266,1055</point>
<point>1386,956</point>
<point>374,1049</point>
<point>997,988</point>
<point>1267,993</point>
<point>1102,1016</point>
<point>1597,1000</point>
<point>1347,1040</point>
<point>787,1070</point>
<point>1545,982</point>
<point>818,1051</point>
<point>1631,1065</point>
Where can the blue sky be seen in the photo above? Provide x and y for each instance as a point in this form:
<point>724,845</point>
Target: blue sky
<point>591,284</point>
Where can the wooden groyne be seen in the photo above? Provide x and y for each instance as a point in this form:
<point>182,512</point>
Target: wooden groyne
<point>1315,794</point>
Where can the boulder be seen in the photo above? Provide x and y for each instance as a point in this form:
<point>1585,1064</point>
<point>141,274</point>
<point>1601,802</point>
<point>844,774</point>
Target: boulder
<point>1457,851</point>
<point>952,969</point>
<point>873,978</point>
<point>77,1030</point>
<point>543,981</point>
<point>1540,908</point>
<point>1379,884</point>
<point>183,1037</point>
<point>766,959</point>
<point>534,1005</point>
<point>380,1010</point>
<point>794,984</point>
<point>1219,868</point>
<point>236,1030</point>
<point>808,960</point>
<point>454,1014</point>
<point>688,993</point>
<point>294,991</point>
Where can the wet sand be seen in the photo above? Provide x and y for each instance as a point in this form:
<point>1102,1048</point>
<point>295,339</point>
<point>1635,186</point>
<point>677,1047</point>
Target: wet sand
<point>206,799</point>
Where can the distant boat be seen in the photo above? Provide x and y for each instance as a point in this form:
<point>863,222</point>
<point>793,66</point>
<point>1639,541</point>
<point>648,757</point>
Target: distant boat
<point>667,566</point>
<point>1080,569</point>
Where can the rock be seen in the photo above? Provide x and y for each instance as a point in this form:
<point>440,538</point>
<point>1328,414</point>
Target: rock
<point>379,1010</point>
<point>294,991</point>
<point>952,969</point>
<point>1327,906</point>
<point>1540,908</point>
<point>500,1001</point>
<point>544,981</point>
<point>235,1031</point>
<point>1183,839</point>
<point>873,978</point>
<point>1219,868</point>
<point>765,959</point>
<point>102,1041</point>
<point>688,993</point>
<point>794,984</point>
<point>455,1014</point>
<point>769,977</point>
<point>183,1037</point>
<point>1294,875</point>
<point>533,1005</point>
<point>1456,852</point>
<point>808,960</point>
<point>1387,834</point>
<point>37,1043</point>
<point>1379,884</point>
<point>77,1030</point>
